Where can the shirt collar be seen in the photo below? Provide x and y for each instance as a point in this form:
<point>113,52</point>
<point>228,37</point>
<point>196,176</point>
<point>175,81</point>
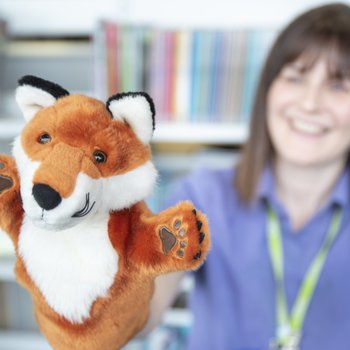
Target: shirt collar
<point>266,185</point>
<point>340,194</point>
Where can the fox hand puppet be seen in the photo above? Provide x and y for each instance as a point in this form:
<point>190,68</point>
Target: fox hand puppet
<point>72,200</point>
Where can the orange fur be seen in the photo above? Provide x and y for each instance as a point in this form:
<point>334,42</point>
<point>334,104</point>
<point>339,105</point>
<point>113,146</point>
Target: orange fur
<point>11,212</point>
<point>91,129</point>
<point>133,232</point>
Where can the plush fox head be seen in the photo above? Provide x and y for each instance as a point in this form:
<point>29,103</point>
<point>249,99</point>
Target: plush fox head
<point>77,156</point>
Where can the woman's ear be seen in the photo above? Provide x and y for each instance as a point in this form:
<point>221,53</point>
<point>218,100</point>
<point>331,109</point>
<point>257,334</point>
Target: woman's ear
<point>33,94</point>
<point>137,110</point>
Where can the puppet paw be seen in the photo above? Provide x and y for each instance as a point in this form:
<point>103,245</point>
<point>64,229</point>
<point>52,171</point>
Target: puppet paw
<point>6,181</point>
<point>185,237</point>
<point>8,174</point>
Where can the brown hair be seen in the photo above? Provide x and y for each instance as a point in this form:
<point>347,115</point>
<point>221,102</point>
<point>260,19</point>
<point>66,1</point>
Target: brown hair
<point>322,31</point>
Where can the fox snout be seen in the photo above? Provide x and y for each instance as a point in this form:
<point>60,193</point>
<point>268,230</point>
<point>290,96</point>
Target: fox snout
<point>57,174</point>
<point>46,196</point>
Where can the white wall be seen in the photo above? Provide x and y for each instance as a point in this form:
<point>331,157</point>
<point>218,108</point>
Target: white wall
<point>78,17</point>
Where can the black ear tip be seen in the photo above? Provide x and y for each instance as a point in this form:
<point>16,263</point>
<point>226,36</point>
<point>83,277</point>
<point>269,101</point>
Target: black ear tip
<point>151,106</point>
<point>27,80</point>
<point>122,95</point>
<point>150,101</point>
<point>53,89</point>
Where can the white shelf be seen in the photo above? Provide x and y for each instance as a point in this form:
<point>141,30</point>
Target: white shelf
<point>22,341</point>
<point>205,133</point>
<point>199,133</point>
<point>10,128</point>
<point>7,273</point>
<point>178,318</point>
<point>58,48</point>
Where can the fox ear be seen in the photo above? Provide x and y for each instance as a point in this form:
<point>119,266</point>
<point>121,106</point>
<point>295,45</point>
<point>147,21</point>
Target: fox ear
<point>137,110</point>
<point>34,94</point>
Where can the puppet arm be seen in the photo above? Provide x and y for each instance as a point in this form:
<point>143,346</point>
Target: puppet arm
<point>175,239</point>
<point>11,212</point>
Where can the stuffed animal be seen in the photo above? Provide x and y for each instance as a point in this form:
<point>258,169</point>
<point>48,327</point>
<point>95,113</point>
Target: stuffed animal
<point>72,200</point>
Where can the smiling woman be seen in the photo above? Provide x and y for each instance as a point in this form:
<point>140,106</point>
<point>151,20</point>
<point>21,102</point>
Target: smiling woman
<point>306,73</point>
<point>308,119</point>
<point>309,115</point>
<point>280,221</point>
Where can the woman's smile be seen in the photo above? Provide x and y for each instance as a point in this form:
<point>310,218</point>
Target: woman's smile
<point>307,128</point>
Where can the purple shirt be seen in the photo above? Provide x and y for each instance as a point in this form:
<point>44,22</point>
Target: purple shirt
<point>233,301</point>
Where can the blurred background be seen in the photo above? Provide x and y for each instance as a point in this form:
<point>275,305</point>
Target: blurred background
<point>198,59</point>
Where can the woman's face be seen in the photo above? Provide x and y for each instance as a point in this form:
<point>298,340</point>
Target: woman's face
<point>308,115</point>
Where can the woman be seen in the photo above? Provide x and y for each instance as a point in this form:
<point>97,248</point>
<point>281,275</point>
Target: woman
<point>285,209</point>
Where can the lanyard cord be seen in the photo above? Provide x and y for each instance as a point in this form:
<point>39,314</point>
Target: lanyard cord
<point>289,325</point>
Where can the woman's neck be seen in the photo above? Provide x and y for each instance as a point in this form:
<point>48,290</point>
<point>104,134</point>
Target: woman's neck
<point>304,190</point>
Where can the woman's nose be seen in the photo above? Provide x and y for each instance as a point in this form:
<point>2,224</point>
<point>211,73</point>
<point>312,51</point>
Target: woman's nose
<point>310,98</point>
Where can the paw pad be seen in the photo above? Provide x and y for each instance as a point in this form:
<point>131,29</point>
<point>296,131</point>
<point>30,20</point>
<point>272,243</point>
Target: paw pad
<point>177,238</point>
<point>5,183</point>
<point>170,238</point>
<point>198,255</point>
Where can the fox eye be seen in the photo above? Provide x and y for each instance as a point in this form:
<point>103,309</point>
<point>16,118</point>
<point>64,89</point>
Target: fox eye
<point>100,157</point>
<point>44,138</point>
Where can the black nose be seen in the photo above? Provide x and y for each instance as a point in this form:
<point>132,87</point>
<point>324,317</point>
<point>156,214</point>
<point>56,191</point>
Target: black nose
<point>46,196</point>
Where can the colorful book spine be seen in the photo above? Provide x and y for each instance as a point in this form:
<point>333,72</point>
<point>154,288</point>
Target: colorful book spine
<point>113,76</point>
<point>215,76</point>
<point>192,75</point>
<point>258,44</point>
<point>100,62</point>
<point>182,76</point>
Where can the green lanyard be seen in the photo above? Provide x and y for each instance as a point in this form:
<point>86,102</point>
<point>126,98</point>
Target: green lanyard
<point>289,326</point>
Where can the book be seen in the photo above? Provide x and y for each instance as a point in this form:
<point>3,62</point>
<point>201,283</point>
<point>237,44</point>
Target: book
<point>193,75</point>
<point>258,44</point>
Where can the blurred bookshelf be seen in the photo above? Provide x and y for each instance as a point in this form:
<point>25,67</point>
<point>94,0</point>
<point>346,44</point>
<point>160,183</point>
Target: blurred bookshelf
<point>193,76</point>
<point>199,61</point>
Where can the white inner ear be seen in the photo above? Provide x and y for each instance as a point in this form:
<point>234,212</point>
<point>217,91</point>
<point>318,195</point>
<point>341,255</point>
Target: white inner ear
<point>136,111</point>
<point>31,100</point>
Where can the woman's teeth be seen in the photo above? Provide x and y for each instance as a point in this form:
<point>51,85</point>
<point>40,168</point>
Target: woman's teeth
<point>308,128</point>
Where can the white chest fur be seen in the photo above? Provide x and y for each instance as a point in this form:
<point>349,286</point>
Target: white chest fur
<point>72,267</point>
